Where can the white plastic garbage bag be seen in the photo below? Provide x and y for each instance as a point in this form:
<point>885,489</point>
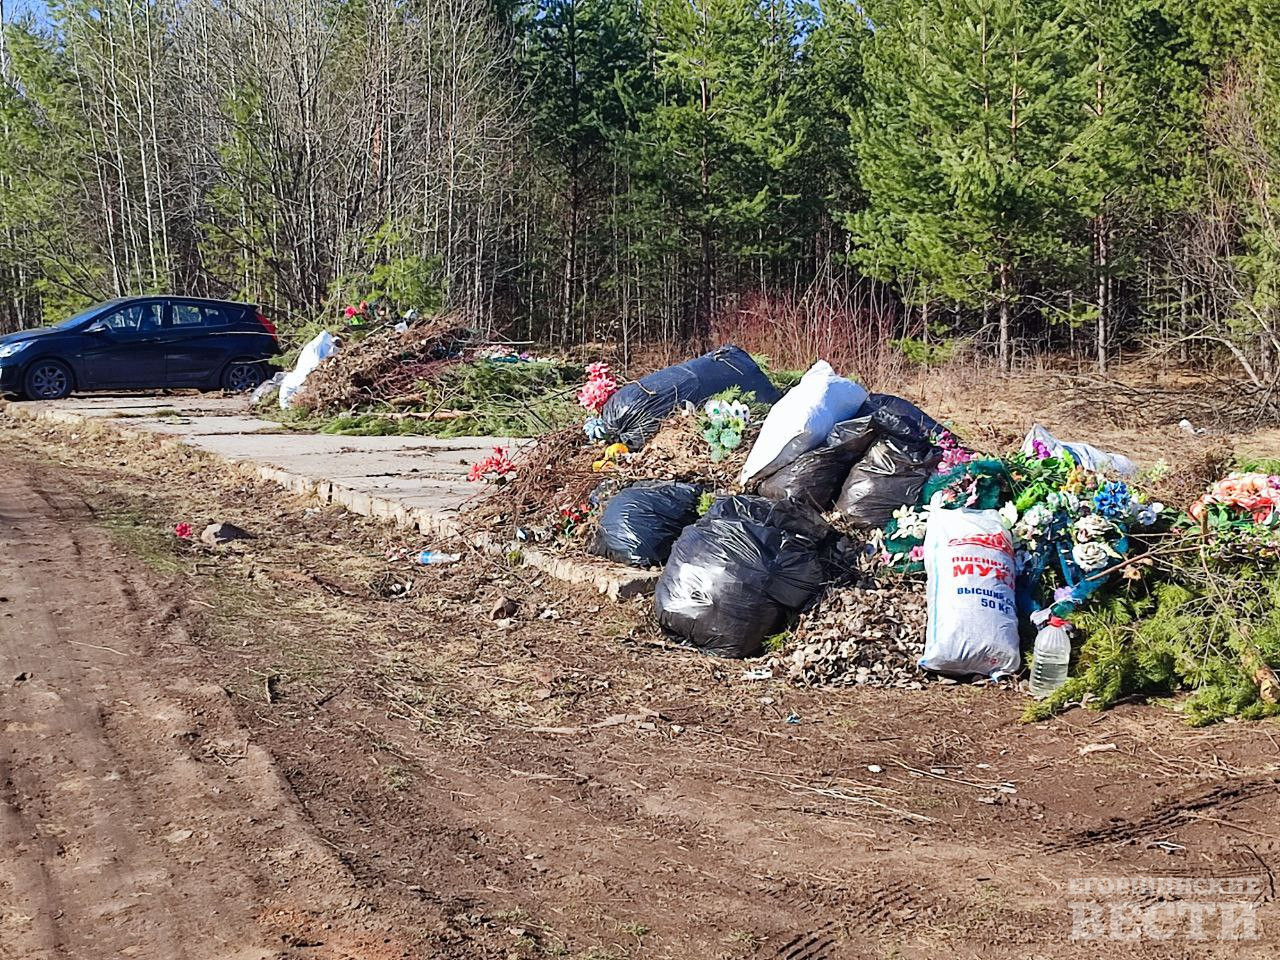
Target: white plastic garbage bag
<point>802,419</point>
<point>322,345</point>
<point>973,623</point>
<point>1084,454</point>
<point>267,386</point>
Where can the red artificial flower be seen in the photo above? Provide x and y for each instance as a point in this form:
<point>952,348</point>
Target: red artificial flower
<point>494,467</point>
<point>183,531</point>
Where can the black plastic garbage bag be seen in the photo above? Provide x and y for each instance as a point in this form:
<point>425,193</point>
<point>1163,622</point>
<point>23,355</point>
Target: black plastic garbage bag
<point>634,414</point>
<point>855,436</point>
<point>737,574</point>
<point>813,478</point>
<point>900,418</point>
<point>639,524</point>
<point>890,475</point>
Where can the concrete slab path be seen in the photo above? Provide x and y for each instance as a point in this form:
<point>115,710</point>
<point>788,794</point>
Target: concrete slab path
<point>414,482</point>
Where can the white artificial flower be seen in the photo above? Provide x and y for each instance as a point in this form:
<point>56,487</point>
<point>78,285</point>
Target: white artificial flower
<point>714,409</point>
<point>1089,556</point>
<point>1009,514</point>
<point>912,523</point>
<point>740,411</point>
<point>1091,527</point>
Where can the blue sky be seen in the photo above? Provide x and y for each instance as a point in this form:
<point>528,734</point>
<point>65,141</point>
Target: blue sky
<point>14,8</point>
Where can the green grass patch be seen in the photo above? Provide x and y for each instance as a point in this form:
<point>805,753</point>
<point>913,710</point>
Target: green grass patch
<point>156,548</point>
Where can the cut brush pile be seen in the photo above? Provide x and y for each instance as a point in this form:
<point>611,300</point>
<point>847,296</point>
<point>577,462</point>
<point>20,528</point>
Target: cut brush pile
<point>385,367</point>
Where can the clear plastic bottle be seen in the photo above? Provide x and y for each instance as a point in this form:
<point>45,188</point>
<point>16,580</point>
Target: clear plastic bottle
<point>427,557</point>
<point>1050,658</point>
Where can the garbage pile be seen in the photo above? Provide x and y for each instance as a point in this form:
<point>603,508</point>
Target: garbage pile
<point>859,541</point>
<point>386,366</point>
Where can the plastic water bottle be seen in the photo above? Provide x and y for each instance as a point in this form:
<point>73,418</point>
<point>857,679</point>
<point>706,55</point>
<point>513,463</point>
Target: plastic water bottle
<point>1050,659</point>
<point>427,557</point>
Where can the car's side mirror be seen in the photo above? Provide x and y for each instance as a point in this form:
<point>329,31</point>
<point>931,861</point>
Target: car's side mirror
<point>97,328</point>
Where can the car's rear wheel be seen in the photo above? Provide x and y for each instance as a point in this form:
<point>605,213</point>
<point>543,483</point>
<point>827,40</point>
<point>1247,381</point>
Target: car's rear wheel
<point>243,375</point>
<point>47,380</point>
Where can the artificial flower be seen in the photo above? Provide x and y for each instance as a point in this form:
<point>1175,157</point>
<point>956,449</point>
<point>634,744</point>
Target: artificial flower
<point>1112,500</point>
<point>1009,514</point>
<point>911,523</point>
<point>1091,527</point>
<point>494,468</point>
<point>183,531</point>
<point>1146,514</point>
<point>1031,525</point>
<point>600,386</point>
<point>1090,556</point>
<point>595,429</point>
<point>1075,481</point>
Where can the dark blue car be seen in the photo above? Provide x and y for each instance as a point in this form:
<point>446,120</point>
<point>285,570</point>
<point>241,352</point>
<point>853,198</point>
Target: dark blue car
<point>141,343</point>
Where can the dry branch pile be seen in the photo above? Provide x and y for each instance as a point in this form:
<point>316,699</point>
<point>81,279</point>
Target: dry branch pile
<point>556,471</point>
<point>382,367</point>
<point>679,452</point>
<point>551,473</point>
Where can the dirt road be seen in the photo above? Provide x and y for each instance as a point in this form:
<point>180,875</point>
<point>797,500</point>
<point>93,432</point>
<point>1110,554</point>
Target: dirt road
<point>251,753</point>
<point>137,816</point>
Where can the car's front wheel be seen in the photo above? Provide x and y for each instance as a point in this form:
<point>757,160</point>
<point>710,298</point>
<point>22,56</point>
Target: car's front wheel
<point>242,376</point>
<point>47,380</point>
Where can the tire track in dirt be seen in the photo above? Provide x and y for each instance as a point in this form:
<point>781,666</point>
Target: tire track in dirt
<point>1168,815</point>
<point>119,834</point>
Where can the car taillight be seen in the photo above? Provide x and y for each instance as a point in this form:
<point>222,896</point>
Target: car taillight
<point>268,326</point>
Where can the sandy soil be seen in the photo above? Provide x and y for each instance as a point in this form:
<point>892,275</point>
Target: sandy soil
<point>246,752</point>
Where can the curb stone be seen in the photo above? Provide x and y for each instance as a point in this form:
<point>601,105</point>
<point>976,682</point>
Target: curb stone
<point>614,581</point>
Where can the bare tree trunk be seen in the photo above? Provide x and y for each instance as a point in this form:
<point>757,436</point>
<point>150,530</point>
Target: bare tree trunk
<point>1006,349</point>
<point>1104,303</point>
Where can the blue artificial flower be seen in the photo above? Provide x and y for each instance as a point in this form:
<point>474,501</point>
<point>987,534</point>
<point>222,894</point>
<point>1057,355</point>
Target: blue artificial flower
<point>595,429</point>
<point>1112,501</point>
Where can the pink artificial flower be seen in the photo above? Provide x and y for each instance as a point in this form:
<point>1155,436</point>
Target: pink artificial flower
<point>183,531</point>
<point>600,386</point>
<point>349,312</point>
<point>917,553</point>
<point>494,467</point>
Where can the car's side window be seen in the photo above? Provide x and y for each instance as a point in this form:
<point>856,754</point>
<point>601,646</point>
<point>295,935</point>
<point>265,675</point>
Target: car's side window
<point>187,315</point>
<point>135,318</point>
<point>216,317</point>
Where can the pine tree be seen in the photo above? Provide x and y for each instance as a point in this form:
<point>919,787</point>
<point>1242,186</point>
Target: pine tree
<point>719,148</point>
<point>969,146</point>
<point>585,65</point>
